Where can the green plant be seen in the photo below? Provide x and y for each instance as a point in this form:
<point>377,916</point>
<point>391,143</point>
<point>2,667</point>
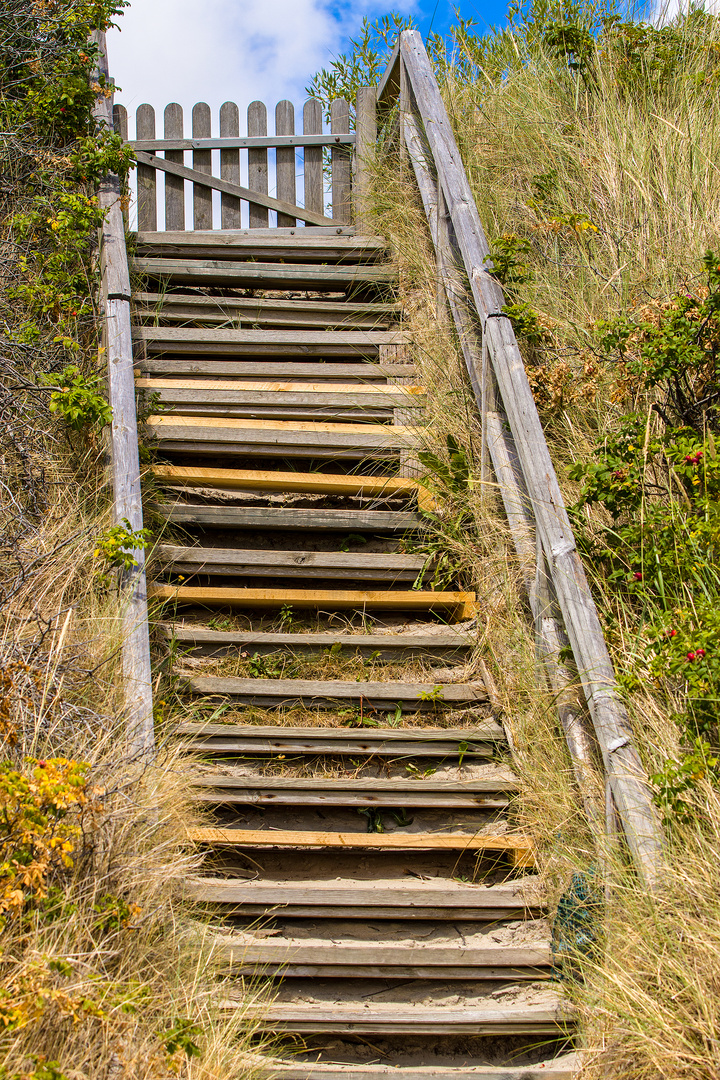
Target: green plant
<point>76,399</point>
<point>118,544</point>
<point>181,1036</point>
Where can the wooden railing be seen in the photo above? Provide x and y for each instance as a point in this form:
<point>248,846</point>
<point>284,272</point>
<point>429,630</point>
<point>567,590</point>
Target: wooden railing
<point>124,454</point>
<point>513,440</point>
<point>264,171</point>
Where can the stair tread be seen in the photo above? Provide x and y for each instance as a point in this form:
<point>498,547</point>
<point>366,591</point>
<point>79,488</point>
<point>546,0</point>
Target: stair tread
<point>404,841</point>
<point>258,558</point>
<point>390,691</point>
<point>387,599</point>
<point>483,731</point>
<point>446,639</point>
<point>397,894</point>
<point>354,783</point>
<point>383,955</point>
<point>290,517</point>
<point>546,1070</point>
<point>271,369</point>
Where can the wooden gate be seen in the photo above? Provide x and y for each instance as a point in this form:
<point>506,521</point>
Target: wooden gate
<point>311,172</point>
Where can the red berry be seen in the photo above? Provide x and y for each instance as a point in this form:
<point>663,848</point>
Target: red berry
<point>42,764</point>
<point>689,459</point>
<point>699,652</point>
<point>672,633</point>
<point>637,575</point>
<point>691,656</point>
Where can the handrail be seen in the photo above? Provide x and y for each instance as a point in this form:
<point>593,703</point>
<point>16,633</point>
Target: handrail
<point>516,444</point>
<point>125,458</point>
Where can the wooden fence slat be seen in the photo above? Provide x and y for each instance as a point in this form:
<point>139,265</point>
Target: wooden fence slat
<point>174,185</point>
<point>257,164</point>
<point>313,165</point>
<point>146,177</point>
<point>230,166</point>
<point>610,719</point>
<point>120,122</point>
<point>245,142</point>
<point>340,124</point>
<point>285,161</point>
<point>202,162</point>
<point>366,136</point>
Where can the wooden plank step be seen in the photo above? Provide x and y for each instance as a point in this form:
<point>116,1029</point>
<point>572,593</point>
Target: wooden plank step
<point>244,244</point>
<point>392,1019</point>
<point>369,487</point>
<point>327,693</point>
<point>266,342</point>
<point>269,275</point>
<point>196,392</point>
<point>518,848</point>
<point>290,564</point>
<point>357,900</point>
<point>279,437</point>
<point>388,962</point>
<point>480,741</point>
<point>357,791</point>
<point>257,309</point>
<point>546,1070</point>
<point>461,605</point>
<point>274,517</point>
<point>369,373</point>
<point>387,646</point>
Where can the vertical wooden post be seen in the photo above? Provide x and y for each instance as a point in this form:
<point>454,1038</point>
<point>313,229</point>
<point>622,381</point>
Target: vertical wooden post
<point>146,180</point>
<point>202,161</point>
<point>285,161</point>
<point>365,141</point>
<point>124,446</point>
<point>403,106</point>
<point>341,201</point>
<point>174,185</point>
<point>120,122</point>
<point>313,155</point>
<point>257,163</point>
<point>229,165</point>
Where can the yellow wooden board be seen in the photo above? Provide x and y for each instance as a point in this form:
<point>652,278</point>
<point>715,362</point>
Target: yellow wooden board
<point>280,387</point>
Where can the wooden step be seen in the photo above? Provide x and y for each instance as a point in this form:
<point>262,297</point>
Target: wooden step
<point>355,791</point>
<point>256,312</point>
<point>392,1019</point>
<point>460,605</point>
<point>367,373</point>
<point>482,740</point>
<point>368,487</point>
<point>235,274</point>
<point>295,438</point>
<point>290,564</point>
<point>328,693</point>
<point>281,517</point>
<point>546,1070</point>
<point>245,244</point>
<point>331,961</point>
<point>266,342</point>
<point>519,849</point>
<point>445,900</point>
<point>308,395</point>
<point>448,643</point>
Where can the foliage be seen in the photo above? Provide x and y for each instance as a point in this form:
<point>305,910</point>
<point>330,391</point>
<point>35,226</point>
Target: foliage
<point>118,544</point>
<point>363,65</point>
<point>76,399</point>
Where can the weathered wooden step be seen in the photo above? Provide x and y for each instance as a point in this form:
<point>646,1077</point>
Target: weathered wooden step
<point>355,791</point>
<point>448,643</point>
<point>480,741</point>
<point>283,438</point>
<point>331,277</point>
<point>327,693</point>
<point>274,517</point>
<point>394,1019</point>
<point>519,849</point>
<point>369,373</point>
<point>350,899</point>
<point>546,1070</point>
<point>241,392</point>
<point>290,564</point>
<point>388,962</point>
<point>461,605</point>
<point>266,342</point>
<point>369,487</point>
<point>245,244</point>
<point>254,314</point>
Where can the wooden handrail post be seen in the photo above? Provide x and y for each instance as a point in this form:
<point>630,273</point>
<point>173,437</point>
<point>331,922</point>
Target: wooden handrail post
<point>124,448</point>
<point>365,142</point>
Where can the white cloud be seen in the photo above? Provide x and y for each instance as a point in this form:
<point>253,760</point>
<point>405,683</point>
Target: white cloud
<point>220,50</point>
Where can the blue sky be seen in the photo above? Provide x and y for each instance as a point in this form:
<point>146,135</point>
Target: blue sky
<point>238,50</point>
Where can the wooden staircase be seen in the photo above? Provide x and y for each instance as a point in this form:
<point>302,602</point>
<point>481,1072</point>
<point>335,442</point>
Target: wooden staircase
<point>362,851</point>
